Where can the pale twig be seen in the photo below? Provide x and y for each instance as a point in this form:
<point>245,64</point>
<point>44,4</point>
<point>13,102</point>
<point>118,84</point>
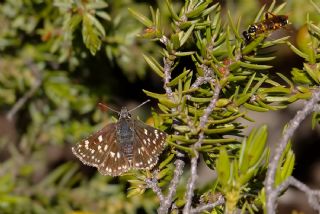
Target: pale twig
<point>166,201</point>
<point>207,77</point>
<point>208,207</point>
<point>200,81</point>
<point>271,192</point>
<point>164,207</point>
<point>191,182</point>
<point>312,195</point>
<point>209,109</point>
<point>164,40</point>
<point>153,184</point>
<point>167,76</point>
<point>194,160</point>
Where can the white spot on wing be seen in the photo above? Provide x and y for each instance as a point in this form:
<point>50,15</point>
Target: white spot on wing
<point>112,154</point>
<point>86,144</point>
<point>100,138</point>
<point>150,161</point>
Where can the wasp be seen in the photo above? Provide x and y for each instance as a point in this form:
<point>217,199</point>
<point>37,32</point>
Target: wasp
<point>270,23</point>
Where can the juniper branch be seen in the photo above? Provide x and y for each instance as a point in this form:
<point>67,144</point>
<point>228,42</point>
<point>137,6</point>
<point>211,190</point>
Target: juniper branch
<point>167,75</point>
<point>207,77</point>
<point>312,195</point>
<point>153,184</point>
<point>165,205</point>
<point>207,207</point>
<point>179,164</point>
<point>203,120</point>
<point>271,192</point>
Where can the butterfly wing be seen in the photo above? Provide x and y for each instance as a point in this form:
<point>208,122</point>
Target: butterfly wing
<point>91,150</point>
<point>115,162</point>
<point>101,150</point>
<point>148,145</point>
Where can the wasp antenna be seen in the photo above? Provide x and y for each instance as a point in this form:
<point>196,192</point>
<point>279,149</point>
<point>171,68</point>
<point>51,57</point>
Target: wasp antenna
<point>139,105</point>
<point>104,108</point>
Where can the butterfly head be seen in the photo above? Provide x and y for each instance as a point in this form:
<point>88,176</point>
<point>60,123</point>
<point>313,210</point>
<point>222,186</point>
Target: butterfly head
<point>124,113</point>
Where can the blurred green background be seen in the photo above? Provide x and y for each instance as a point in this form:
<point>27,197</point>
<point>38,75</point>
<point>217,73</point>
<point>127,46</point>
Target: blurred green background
<point>58,59</point>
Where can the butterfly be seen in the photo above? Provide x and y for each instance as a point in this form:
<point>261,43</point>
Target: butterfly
<point>122,146</point>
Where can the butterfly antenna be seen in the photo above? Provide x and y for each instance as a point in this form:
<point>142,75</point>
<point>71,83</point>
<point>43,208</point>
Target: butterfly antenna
<point>139,105</point>
<point>104,108</point>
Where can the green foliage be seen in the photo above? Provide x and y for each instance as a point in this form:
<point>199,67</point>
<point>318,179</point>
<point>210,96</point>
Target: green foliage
<point>219,56</point>
<point>87,14</point>
<point>59,57</point>
<point>46,49</point>
<point>236,178</point>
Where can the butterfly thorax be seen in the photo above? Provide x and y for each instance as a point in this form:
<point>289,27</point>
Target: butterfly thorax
<point>125,133</point>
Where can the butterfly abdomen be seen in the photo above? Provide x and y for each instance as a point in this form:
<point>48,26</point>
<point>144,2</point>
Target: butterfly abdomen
<point>125,135</point>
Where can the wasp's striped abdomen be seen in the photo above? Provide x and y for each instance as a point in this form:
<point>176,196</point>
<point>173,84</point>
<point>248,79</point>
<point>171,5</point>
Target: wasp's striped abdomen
<point>270,23</point>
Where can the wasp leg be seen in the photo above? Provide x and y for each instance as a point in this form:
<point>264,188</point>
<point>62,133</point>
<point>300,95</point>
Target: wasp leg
<point>269,15</point>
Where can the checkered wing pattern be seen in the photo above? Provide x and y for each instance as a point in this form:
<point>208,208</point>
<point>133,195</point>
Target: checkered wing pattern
<point>101,150</point>
<point>119,147</point>
<point>92,150</point>
<point>148,144</point>
<point>115,162</point>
